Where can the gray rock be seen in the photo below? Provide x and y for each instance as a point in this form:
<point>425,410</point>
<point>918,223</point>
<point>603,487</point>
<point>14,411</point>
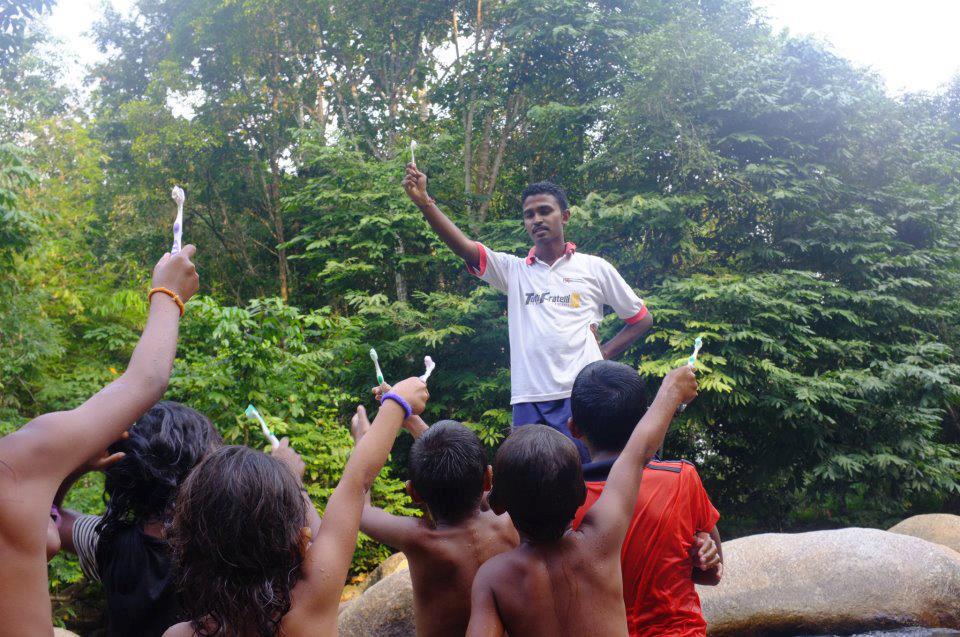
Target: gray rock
<point>844,581</point>
<point>389,566</point>
<point>384,610</point>
<point>939,528</point>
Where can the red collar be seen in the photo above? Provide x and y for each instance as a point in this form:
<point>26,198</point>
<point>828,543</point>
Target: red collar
<point>568,250</point>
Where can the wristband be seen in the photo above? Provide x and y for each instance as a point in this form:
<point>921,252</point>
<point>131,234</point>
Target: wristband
<point>397,398</point>
<point>173,295</point>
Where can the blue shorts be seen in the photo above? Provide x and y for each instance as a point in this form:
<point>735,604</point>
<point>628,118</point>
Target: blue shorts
<point>552,413</point>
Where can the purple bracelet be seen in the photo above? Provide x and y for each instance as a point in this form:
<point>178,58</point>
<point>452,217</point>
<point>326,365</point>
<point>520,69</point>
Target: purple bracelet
<point>397,398</point>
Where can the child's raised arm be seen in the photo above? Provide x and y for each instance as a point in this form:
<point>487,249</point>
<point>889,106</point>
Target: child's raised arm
<point>386,528</point>
<point>53,445</point>
<point>328,559</point>
<point>610,516</point>
<point>36,459</point>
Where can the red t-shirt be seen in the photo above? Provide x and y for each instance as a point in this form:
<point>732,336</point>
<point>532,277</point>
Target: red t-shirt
<point>658,589</point>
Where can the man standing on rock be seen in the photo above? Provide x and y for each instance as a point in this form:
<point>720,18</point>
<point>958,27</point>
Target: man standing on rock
<point>555,299</point>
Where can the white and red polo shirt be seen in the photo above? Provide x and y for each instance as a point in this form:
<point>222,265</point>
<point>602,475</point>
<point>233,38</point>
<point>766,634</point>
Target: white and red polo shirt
<point>550,309</point>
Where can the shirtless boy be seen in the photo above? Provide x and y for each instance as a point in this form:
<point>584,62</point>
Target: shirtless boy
<point>560,581</point>
<point>449,475</point>
<point>35,459</point>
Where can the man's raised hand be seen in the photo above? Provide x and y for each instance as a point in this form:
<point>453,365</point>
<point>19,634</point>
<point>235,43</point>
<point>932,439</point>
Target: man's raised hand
<point>177,273</point>
<point>415,183</point>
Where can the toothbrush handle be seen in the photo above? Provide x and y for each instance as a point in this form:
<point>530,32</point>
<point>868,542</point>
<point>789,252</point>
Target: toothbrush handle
<point>274,443</point>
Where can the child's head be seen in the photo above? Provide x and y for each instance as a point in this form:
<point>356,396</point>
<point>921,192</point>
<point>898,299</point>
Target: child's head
<point>448,470</point>
<point>238,540</point>
<point>162,447</point>
<point>538,480</point>
<point>607,401</point>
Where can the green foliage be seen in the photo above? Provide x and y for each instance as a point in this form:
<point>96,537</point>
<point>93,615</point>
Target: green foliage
<point>757,189</point>
<point>287,363</point>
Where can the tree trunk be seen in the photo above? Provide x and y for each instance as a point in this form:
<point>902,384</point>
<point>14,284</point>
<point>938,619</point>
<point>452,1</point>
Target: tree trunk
<point>399,280</point>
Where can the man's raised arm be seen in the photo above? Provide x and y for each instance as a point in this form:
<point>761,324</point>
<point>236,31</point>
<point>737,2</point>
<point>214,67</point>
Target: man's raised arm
<point>415,183</point>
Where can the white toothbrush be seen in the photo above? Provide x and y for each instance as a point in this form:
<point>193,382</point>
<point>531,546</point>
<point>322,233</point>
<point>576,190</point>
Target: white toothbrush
<point>252,413</point>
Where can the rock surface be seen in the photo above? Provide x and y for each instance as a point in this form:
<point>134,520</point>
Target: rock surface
<point>939,528</point>
<point>389,566</point>
<point>848,580</point>
<point>63,632</point>
<point>383,610</point>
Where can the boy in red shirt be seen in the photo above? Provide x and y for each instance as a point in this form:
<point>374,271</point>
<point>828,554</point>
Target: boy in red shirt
<point>672,541</point>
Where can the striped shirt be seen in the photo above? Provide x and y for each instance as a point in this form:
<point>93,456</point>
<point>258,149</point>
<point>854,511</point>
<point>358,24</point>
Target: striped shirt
<point>85,539</point>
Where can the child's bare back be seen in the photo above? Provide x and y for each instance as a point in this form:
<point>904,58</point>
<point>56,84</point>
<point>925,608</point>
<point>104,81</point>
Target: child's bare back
<point>443,563</point>
<point>563,588</point>
<point>445,549</point>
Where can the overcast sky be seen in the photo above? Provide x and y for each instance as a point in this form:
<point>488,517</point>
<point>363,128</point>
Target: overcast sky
<point>913,44</point>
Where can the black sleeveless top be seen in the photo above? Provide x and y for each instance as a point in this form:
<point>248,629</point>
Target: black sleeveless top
<point>136,572</point>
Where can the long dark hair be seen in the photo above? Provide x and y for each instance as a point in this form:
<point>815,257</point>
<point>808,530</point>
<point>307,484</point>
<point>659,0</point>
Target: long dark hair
<point>164,445</point>
<point>236,541</point>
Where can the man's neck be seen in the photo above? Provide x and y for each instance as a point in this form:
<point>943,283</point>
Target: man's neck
<point>551,250</point>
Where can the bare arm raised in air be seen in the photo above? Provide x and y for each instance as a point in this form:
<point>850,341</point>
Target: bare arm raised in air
<point>54,444</point>
<point>415,183</point>
<point>35,460</point>
<point>393,530</point>
<point>327,561</point>
<point>610,516</point>
<point>414,424</point>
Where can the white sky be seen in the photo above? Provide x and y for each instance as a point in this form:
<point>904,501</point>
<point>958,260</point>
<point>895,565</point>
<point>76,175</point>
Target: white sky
<point>913,44</point>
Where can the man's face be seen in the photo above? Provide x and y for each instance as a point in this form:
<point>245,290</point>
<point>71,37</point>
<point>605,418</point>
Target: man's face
<point>543,219</point>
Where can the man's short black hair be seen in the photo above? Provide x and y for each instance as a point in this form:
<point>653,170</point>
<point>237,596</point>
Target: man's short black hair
<point>546,188</point>
<point>538,480</point>
<point>607,401</point>
<point>447,467</point>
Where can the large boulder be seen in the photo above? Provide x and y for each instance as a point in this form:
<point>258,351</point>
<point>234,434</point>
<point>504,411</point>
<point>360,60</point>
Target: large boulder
<point>939,528</point>
<point>832,582</point>
<point>389,566</point>
<point>384,610</point>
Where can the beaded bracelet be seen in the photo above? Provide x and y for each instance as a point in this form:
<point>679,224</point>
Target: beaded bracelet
<point>173,295</point>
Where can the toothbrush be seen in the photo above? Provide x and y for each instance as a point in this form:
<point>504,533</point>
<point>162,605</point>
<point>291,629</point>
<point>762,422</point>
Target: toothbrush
<point>253,414</point>
<point>413,146</point>
<point>178,197</point>
<point>376,363</point>
<point>697,344</point>
<point>429,364</point>
<point>692,364</point>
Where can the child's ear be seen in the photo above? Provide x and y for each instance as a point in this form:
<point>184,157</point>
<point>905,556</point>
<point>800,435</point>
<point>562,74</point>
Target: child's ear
<point>412,492</point>
<point>574,430</point>
<point>488,478</point>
